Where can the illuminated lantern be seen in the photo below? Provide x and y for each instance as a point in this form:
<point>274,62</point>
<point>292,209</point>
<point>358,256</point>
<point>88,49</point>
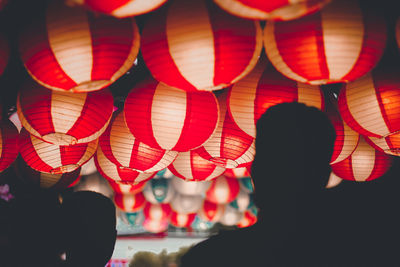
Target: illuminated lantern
<point>89,167</point>
<point>158,190</point>
<point>186,203</point>
<point>341,43</point>
<point>364,164</point>
<point>154,226</point>
<point>112,172</point>
<point>229,146</point>
<point>96,183</point>
<point>165,117</point>
<point>121,188</point>
<point>64,118</point>
<point>157,212</point>
<point>246,184</point>
<point>201,225</point>
<point>123,149</point>
<point>55,159</point>
<point>231,216</point>
<point>211,212</point>
<point>194,45</point>
<point>192,188</point>
<point>237,173</point>
<point>181,219</point>
<point>120,8</point>
<point>223,190</point>
<point>333,181</point>
<point>74,50</point>
<point>271,9</point>
<point>8,143</point>
<point>248,219</point>
<point>191,167</point>
<point>243,201</point>
<point>130,202</point>
<point>264,87</point>
<point>389,144</point>
<point>4,50</point>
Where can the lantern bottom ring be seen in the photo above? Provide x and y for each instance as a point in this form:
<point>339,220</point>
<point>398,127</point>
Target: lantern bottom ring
<point>64,169</point>
<point>60,139</point>
<point>89,86</point>
<point>224,162</point>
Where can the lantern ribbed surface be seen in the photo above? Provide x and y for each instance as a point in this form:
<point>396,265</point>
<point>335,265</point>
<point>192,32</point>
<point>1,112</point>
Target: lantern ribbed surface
<point>125,150</point>
<point>264,87</point>
<point>340,43</point>
<point>237,173</point>
<point>211,212</point>
<point>71,49</point>
<point>186,203</point>
<point>194,45</point>
<point>223,190</point>
<point>183,220</point>
<point>121,188</point>
<point>130,202</point>
<point>64,118</point>
<point>157,212</point>
<point>389,144</point>
<point>188,187</point>
<point>168,118</point>
<point>50,158</point>
<point>8,143</point>
<point>159,190</point>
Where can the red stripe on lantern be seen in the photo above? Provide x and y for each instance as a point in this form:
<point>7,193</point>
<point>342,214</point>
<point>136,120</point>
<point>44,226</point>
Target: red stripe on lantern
<point>8,144</point>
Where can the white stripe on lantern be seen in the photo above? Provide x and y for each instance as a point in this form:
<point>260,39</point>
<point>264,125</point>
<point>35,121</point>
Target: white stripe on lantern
<point>364,105</point>
<point>239,9</point>
<point>71,42</point>
<point>121,141</point>
<point>338,34</point>
<point>135,7</point>
<point>381,143</point>
<point>221,190</point>
<point>48,153</point>
<point>182,219</point>
<point>309,95</point>
<point>89,152</point>
<point>168,119</point>
<point>48,180</point>
<point>216,172</point>
<point>349,143</point>
<point>363,160</point>
<point>182,165</point>
<point>129,201</point>
<point>191,41</point>
<point>247,156</point>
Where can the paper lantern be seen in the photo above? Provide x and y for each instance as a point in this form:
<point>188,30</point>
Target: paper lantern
<point>187,187</point>
<point>341,43</point>
<point>89,167</point>
<point>211,212</point>
<point>182,220</point>
<point>333,181</point>
<point>64,118</point>
<point>243,201</point>
<point>191,167</point>
<point>248,219</point>
<point>120,8</point>
<point>229,146</point>
<point>158,190</point>
<point>231,216</point>
<point>246,184</point>
<point>157,212</point>
<point>223,190</point>
<point>271,9</point>
<point>154,226</point>
<point>121,188</point>
<point>112,172</point>
<point>364,164</point>
<point>123,149</point>
<point>237,173</point>
<point>54,159</point>
<point>194,45</point>
<point>389,144</point>
<point>96,183</point>
<point>201,225</point>
<point>8,143</point>
<point>165,117</point>
<point>186,203</point>
<point>71,49</point>
<point>4,50</point>
<point>130,202</point>
<point>264,87</point>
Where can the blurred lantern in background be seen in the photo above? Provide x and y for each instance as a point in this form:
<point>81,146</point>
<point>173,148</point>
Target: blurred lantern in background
<point>264,87</point>
<point>4,48</point>
<point>231,216</point>
<point>246,184</point>
<point>364,164</point>
<point>158,190</point>
<point>155,226</point>
<point>333,181</point>
<point>54,159</point>
<point>157,212</point>
<point>96,183</point>
<point>341,43</point>
<point>223,190</point>
<point>249,218</point>
<point>71,49</point>
<point>271,9</point>
<point>201,225</point>
<point>389,144</point>
<point>64,118</point>
<point>168,118</point>
<point>186,203</point>
<point>210,212</point>
<point>8,143</point>
<point>183,220</point>
<point>89,167</point>
<point>194,45</point>
<point>121,188</point>
<point>130,202</point>
<point>237,173</point>
<point>243,201</point>
<point>190,188</point>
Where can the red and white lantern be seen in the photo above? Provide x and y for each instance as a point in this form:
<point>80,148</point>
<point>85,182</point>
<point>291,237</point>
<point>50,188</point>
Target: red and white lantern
<point>130,202</point>
<point>389,144</point>
<point>54,159</point>
<point>191,167</point>
<point>231,216</point>
<point>186,203</point>
<point>4,50</point>
<point>364,164</point>
<point>237,173</point>
<point>157,212</point>
<point>182,220</point>
<point>191,188</point>
<point>194,45</point>
<point>154,226</point>
<point>341,43</point>
<point>8,143</point>
<point>64,118</point>
<point>333,181</point>
<point>248,219</point>
<point>69,49</point>
<point>211,212</point>
<point>121,188</point>
<point>271,9</point>
<point>123,149</point>
<point>264,87</point>
<point>223,190</point>
<point>159,190</point>
<point>168,118</point>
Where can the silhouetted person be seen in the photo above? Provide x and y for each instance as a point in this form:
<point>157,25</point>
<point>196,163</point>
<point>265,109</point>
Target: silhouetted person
<point>90,228</point>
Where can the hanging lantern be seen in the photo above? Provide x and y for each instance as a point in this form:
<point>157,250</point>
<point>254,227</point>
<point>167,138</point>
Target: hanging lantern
<point>364,164</point>
<point>54,159</point>
<point>74,50</point>
<point>194,45</point>
<point>246,184</point>
<point>243,201</point>
<point>112,172</point>
<point>231,216</point>
<point>182,220</point>
<point>168,118</point>
<point>249,219</point>
<point>186,203</point>
<point>237,173</point>
<point>64,118</point>
<point>158,190</point>
<point>191,167</point>
<point>229,146</point>
<point>4,49</point>
<point>389,144</point>
<point>223,190</point>
<point>96,183</point>
<point>190,188</point>
<point>264,87</point>
<point>121,188</point>
<point>130,202</point>
<point>154,226</point>
<point>8,143</point>
<point>157,212</point>
<point>201,225</point>
<point>333,181</point>
<point>89,167</point>
<point>123,149</point>
<point>341,43</point>
<point>211,212</point>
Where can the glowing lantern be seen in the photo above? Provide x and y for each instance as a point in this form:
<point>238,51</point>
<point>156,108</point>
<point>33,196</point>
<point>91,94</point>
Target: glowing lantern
<point>243,201</point>
<point>191,167</point>
<point>165,117</point>
<point>237,173</point>
<point>181,219</point>
<point>186,203</point>
<point>157,212</point>
<point>8,144</point>
<point>154,226</point>
<point>246,184</point>
<point>74,50</point>
<point>201,225</point>
<point>96,183</point>
<point>229,146</point>
<point>4,50</point>
<point>121,188</point>
<point>55,159</point>
<point>389,144</point>
<point>158,190</point>
<point>191,188</point>
<point>249,218</point>
<point>112,172</point>
<point>223,190</point>
<point>89,167</point>
<point>120,8</point>
<point>364,164</point>
<point>264,87</point>
<point>64,118</point>
<point>130,202</point>
<point>211,212</point>
<point>339,44</point>
<point>123,149</point>
<point>271,9</point>
<point>333,181</point>
<point>194,45</point>
<point>231,216</point>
